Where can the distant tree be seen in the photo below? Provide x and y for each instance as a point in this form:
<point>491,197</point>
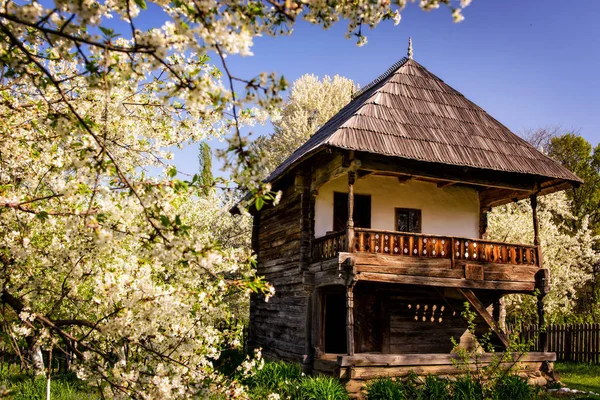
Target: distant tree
<point>311,103</point>
<point>577,154</point>
<point>567,252</point>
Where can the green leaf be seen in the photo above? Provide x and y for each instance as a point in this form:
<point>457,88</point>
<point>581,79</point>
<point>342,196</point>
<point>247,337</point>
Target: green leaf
<point>141,4</point>
<point>107,31</point>
<point>165,220</point>
<point>172,172</point>
<point>260,202</point>
<point>42,216</point>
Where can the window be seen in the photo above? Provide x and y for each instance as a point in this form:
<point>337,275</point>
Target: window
<point>361,214</point>
<point>408,220</point>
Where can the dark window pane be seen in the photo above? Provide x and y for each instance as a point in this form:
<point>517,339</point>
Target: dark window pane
<point>361,214</point>
<point>408,220</point>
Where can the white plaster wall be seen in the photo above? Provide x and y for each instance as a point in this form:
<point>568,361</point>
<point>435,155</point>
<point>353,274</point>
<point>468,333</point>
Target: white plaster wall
<point>452,211</point>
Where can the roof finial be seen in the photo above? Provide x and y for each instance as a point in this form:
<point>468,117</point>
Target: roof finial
<point>410,50</point>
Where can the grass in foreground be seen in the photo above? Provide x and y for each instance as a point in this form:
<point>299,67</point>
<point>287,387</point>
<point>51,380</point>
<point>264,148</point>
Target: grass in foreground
<point>62,387</point>
<point>579,376</point>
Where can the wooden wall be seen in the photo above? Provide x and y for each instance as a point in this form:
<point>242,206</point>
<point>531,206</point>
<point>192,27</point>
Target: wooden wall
<point>278,325</point>
<point>411,319</point>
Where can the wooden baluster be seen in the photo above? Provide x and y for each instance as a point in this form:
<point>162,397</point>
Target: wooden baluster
<point>435,245</point>
<point>383,244</point>
<point>393,243</point>
<point>513,255</point>
<point>503,254</point>
<point>411,243</point>
<point>361,241</point>
<point>420,246</point>
<point>372,243</point>
<point>452,252</point>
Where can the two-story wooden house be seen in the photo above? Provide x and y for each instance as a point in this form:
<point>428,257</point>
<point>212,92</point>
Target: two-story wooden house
<point>380,238</point>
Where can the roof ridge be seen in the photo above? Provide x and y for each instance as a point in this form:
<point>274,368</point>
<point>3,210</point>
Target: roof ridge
<point>380,78</point>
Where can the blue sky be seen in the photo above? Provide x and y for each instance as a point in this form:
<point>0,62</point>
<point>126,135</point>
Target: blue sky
<point>528,63</point>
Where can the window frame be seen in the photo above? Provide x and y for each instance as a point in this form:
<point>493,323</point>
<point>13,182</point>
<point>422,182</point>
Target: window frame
<point>417,211</point>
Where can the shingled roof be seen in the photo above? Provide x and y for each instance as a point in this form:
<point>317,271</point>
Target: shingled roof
<point>412,114</point>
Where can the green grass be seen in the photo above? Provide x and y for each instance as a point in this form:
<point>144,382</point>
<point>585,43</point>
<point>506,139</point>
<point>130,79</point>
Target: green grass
<point>62,387</point>
<point>580,376</point>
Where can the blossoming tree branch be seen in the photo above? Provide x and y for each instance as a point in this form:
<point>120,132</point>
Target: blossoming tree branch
<point>105,252</point>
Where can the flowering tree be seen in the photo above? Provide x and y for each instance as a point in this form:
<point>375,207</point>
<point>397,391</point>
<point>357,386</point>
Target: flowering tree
<point>310,104</point>
<point>567,253</point>
<point>105,251</point>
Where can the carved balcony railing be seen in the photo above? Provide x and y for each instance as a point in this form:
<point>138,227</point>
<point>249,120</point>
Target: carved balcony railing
<point>425,246</point>
<point>329,246</point>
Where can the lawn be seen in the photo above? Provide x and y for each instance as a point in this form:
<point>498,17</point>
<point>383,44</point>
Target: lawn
<point>581,377</point>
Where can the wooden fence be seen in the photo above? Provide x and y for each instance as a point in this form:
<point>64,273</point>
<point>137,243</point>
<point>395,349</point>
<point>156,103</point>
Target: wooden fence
<point>579,343</point>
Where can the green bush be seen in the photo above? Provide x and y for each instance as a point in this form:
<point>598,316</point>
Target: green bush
<point>435,388</point>
<point>513,387</point>
<point>322,388</point>
<point>466,387</point>
<point>275,377</point>
<point>385,389</point>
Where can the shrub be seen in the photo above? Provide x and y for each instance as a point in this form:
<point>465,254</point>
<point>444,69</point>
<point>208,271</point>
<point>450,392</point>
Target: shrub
<point>275,377</point>
<point>513,387</point>
<point>385,389</point>
<point>466,387</point>
<point>322,388</point>
<point>435,388</point>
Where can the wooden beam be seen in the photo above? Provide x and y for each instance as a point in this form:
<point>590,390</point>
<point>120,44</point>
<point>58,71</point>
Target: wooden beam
<point>449,173</point>
<point>442,185</point>
<point>363,174</point>
<point>485,315</point>
<point>404,178</point>
<point>390,360</point>
<point>514,287</point>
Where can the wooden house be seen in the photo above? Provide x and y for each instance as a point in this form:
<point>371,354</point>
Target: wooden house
<point>380,238</point>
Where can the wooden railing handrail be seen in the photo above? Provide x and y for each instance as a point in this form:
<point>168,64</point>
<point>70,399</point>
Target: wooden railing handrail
<point>368,230</point>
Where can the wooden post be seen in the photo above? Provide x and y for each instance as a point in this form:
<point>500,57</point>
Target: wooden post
<point>500,313</point>
<point>350,224</point>
<point>350,319</point>
<point>541,284</point>
<point>483,222</point>
<point>536,228</point>
<point>309,353</point>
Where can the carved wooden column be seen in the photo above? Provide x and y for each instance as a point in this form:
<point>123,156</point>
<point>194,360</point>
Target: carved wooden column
<point>542,277</point>
<point>350,223</point>
<point>483,222</point>
<point>350,319</point>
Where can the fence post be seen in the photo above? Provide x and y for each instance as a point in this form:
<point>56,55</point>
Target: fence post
<point>568,343</point>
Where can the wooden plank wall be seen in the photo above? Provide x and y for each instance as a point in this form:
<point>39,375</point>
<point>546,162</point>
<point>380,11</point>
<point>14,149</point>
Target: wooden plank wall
<point>577,342</point>
<point>418,319</point>
<point>278,326</point>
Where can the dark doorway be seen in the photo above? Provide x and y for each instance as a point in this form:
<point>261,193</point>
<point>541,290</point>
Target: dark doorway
<point>361,214</point>
<point>335,323</point>
<point>368,323</point>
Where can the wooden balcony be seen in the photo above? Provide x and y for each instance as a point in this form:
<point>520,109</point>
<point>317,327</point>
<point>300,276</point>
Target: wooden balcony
<point>433,260</point>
